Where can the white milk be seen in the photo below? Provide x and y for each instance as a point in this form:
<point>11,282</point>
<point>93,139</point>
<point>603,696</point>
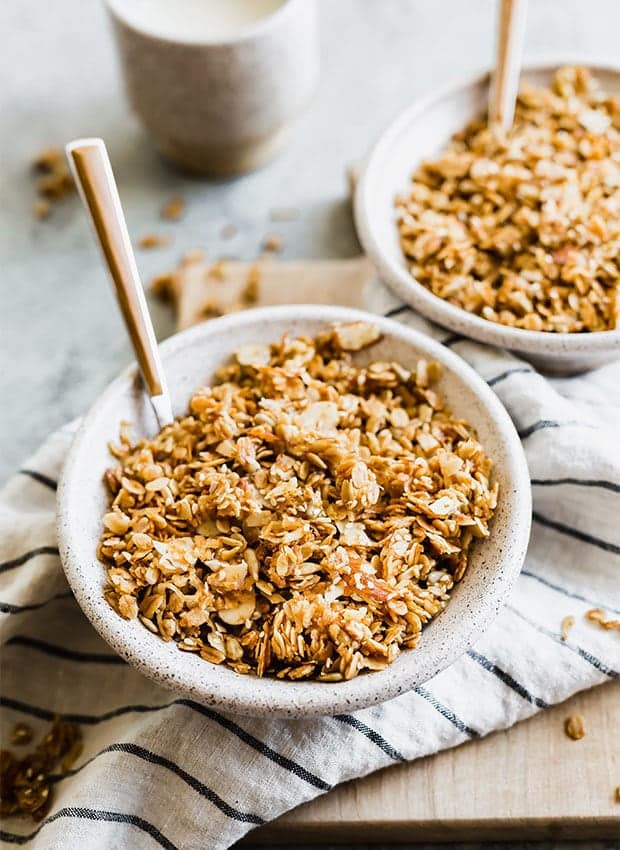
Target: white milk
<point>195,20</point>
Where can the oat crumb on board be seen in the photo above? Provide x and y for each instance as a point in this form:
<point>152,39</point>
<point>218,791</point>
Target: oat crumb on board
<point>251,292</point>
<point>218,270</point>
<point>575,727</point>
<point>273,243</point>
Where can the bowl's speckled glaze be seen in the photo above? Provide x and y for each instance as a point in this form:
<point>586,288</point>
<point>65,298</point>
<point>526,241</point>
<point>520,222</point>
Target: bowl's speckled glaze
<point>190,359</point>
<point>421,132</point>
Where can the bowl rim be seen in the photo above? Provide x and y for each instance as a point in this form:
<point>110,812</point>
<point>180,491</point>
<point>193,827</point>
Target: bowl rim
<point>418,296</point>
<point>259,697</point>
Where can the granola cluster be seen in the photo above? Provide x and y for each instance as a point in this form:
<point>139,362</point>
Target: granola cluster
<point>54,182</point>
<point>524,229</point>
<point>27,781</point>
<point>306,518</point>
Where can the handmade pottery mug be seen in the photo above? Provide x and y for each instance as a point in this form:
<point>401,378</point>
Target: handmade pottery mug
<point>218,83</point>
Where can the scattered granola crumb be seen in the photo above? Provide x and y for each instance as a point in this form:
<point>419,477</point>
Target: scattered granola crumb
<point>306,518</point>
<point>574,726</point>
<point>55,181</point>
<point>26,783</point>
<point>617,794</point>
<point>48,159</point>
<point>173,209</point>
<point>152,240</point>
<point>41,208</point>
<point>354,336</point>
<point>567,625</point>
<point>211,311</point>
<point>251,291</point>
<point>218,270</point>
<point>196,255</point>
<point>219,301</point>
<point>524,229</point>
<point>229,231</point>
<point>162,286</point>
<point>284,214</point>
<point>22,734</point>
<point>597,615</point>
<point>273,243</point>
<point>56,185</point>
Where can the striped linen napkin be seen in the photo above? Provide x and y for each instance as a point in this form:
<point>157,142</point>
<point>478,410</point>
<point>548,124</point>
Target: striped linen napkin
<point>158,770</point>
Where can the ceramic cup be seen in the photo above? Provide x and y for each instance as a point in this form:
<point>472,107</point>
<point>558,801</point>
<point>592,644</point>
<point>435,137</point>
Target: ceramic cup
<point>218,84</point>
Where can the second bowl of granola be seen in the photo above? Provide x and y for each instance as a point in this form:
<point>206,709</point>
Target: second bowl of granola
<point>512,242</point>
<point>337,512</point>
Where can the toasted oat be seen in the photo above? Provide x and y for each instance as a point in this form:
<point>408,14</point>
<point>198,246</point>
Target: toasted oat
<point>153,240</point>
<point>218,270</point>
<point>617,794</point>
<point>575,727</point>
<point>567,625</point>
<point>173,209</point>
<point>284,214</point>
<point>22,734</point>
<point>194,270</point>
<point>597,615</point>
<point>273,243</point>
<point>251,290</point>
<point>162,285</point>
<point>194,255</point>
<point>48,159</point>
<point>305,519</point>
<point>41,208</point>
<point>354,336</point>
<point>524,229</point>
<point>26,783</point>
<point>229,231</point>
<point>55,181</point>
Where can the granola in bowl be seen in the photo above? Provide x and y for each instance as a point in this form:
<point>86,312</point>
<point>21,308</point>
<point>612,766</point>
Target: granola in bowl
<point>306,518</point>
<point>524,229</point>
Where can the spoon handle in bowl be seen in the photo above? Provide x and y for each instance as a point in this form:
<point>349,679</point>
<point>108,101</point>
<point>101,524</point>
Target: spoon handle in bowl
<point>90,165</point>
<point>505,81</point>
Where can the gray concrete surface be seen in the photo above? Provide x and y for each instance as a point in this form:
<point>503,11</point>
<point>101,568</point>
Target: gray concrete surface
<point>61,339</point>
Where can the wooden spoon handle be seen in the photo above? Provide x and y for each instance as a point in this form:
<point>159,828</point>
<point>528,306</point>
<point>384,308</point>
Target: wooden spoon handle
<point>505,83</point>
<point>91,168</point>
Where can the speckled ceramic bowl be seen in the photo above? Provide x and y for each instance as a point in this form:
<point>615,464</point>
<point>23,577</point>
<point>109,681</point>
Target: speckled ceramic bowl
<point>420,132</point>
<point>190,359</point>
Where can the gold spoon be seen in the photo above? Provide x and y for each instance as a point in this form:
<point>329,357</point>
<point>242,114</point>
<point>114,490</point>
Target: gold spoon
<point>90,165</point>
<point>505,80</point>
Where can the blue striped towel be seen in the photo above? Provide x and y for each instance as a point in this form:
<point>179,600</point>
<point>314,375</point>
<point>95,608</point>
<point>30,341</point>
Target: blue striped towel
<point>160,771</point>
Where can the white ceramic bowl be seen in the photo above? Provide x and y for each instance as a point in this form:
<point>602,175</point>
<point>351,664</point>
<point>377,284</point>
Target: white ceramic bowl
<point>190,359</point>
<point>421,132</point>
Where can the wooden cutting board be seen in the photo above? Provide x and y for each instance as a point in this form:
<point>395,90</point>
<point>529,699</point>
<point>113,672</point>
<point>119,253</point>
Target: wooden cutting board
<point>529,782</point>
